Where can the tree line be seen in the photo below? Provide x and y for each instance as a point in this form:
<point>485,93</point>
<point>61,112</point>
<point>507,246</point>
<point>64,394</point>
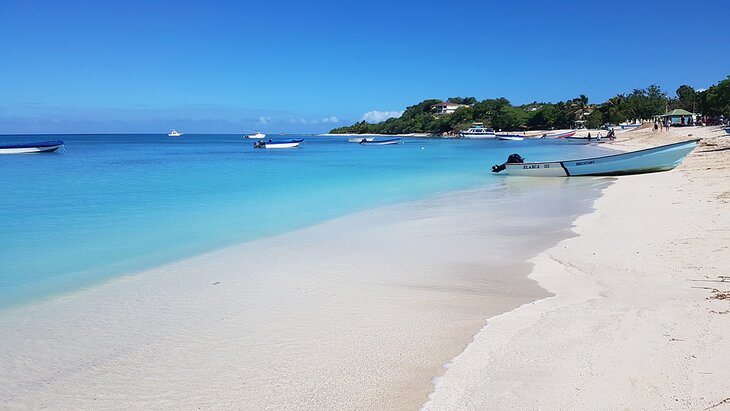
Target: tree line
<point>500,114</point>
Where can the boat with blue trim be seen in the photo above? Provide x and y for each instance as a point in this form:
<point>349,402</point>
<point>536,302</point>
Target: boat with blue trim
<point>290,143</point>
<point>29,148</point>
<point>649,160</point>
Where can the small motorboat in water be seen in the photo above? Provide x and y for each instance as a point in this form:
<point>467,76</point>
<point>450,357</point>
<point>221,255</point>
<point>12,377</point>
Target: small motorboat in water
<point>29,148</point>
<point>291,143</point>
<point>359,139</point>
<point>649,160</point>
<point>380,142</point>
<point>510,137</point>
<point>174,133</point>
<point>477,130</point>
<point>256,135</point>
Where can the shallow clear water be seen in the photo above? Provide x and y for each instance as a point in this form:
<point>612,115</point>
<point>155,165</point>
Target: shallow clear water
<point>114,204</point>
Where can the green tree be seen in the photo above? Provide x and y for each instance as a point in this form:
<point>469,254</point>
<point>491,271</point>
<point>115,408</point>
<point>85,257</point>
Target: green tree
<point>686,98</point>
<point>595,119</point>
<point>715,101</point>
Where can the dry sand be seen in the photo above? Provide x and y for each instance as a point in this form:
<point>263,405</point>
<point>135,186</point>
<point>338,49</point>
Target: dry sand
<point>640,319</point>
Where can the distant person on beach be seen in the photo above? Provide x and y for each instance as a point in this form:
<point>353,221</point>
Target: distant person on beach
<point>656,127</point>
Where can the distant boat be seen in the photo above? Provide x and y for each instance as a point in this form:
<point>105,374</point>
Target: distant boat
<point>510,137</point>
<point>257,135</point>
<point>649,160</point>
<point>625,126</point>
<point>380,142</point>
<point>291,143</point>
<point>570,133</point>
<point>587,140</point>
<point>174,133</point>
<point>359,139</point>
<point>27,148</point>
<point>477,130</point>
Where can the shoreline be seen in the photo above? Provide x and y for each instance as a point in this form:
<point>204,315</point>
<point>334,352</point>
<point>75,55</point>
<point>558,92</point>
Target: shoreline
<point>634,321</point>
<point>361,312</point>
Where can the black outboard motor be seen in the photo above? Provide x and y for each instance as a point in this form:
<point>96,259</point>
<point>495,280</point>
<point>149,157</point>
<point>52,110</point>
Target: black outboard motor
<point>512,159</point>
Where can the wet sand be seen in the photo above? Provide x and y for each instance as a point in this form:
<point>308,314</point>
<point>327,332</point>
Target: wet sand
<point>640,317</point>
<point>355,313</point>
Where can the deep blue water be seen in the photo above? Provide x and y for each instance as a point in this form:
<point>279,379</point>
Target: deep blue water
<point>114,204</point>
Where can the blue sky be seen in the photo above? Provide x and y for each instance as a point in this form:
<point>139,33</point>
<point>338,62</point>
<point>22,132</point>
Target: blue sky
<point>296,66</point>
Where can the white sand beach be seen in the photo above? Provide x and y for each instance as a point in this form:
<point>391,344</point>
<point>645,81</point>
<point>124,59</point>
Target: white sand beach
<point>640,318</point>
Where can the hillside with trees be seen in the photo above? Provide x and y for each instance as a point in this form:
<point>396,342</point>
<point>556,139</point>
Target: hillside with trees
<point>500,114</point>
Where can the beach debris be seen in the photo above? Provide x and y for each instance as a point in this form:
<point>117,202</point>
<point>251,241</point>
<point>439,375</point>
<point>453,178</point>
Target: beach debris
<point>725,401</point>
<point>216,283</point>
<point>719,295</point>
<point>716,294</point>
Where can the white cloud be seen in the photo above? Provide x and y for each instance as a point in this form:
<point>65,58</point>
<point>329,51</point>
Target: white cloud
<point>376,116</point>
<point>263,120</point>
<point>331,119</point>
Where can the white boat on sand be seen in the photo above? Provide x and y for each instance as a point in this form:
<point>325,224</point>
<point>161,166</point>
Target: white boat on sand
<point>649,160</point>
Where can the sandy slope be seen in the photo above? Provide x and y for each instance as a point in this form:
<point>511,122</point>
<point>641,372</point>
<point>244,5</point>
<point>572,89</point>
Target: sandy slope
<point>637,321</point>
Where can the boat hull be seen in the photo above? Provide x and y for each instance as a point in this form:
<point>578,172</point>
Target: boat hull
<point>662,158</point>
<point>278,144</point>
<point>561,135</point>
<point>477,135</point>
<point>281,145</point>
<point>510,138</point>
<point>31,148</point>
<point>359,139</point>
<point>380,142</point>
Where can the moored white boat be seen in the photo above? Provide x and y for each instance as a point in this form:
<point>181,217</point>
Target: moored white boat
<point>256,135</point>
<point>359,139</point>
<point>625,126</point>
<point>291,143</point>
<point>477,130</point>
<point>649,160</point>
<point>174,133</point>
<point>380,142</point>
<point>30,148</point>
<point>510,137</point>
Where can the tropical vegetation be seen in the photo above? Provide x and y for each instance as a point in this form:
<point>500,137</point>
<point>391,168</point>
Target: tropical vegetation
<point>640,104</point>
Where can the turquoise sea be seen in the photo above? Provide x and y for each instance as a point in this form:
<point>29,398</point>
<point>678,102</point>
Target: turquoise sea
<point>115,204</point>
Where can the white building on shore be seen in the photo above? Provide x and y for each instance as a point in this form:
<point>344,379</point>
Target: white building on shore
<point>446,108</point>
